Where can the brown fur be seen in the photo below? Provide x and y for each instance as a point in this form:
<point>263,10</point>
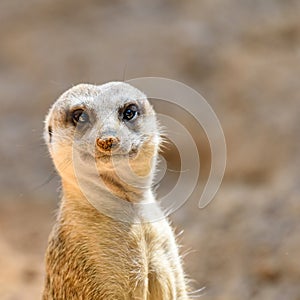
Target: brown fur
<point>91,256</point>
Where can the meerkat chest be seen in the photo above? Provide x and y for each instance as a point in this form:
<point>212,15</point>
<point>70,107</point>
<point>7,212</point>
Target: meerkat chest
<point>141,247</point>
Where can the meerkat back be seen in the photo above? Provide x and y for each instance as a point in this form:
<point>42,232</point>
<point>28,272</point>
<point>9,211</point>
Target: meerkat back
<point>105,244</point>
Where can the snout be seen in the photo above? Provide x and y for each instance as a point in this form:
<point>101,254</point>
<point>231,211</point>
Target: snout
<point>107,144</point>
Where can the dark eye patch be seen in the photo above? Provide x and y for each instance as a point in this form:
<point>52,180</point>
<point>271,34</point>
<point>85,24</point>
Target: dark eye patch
<point>130,112</point>
<point>79,116</point>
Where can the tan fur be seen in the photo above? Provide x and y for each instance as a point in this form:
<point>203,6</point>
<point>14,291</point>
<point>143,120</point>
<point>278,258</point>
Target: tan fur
<point>93,256</point>
<point>141,165</point>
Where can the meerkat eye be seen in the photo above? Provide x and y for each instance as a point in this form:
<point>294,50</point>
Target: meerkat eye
<point>80,116</point>
<point>130,112</point>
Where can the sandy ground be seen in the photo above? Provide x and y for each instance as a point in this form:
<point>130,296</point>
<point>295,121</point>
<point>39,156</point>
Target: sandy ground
<point>243,56</point>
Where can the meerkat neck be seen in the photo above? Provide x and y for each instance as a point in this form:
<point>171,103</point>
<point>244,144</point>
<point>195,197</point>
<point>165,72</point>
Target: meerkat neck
<point>105,186</point>
<point>128,206</point>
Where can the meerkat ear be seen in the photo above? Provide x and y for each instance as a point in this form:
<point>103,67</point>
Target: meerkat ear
<point>50,133</point>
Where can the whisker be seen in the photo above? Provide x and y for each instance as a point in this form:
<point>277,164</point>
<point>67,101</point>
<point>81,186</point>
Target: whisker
<point>196,293</point>
<point>52,175</point>
<point>124,72</point>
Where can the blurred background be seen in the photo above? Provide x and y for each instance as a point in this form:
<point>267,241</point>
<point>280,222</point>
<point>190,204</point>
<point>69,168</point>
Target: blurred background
<point>242,56</point>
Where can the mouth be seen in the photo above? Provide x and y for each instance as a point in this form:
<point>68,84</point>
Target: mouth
<point>107,156</point>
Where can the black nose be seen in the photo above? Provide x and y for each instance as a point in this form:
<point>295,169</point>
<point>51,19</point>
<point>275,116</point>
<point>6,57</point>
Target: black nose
<point>107,143</point>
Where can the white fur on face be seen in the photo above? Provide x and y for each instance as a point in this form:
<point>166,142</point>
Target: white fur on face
<point>103,104</point>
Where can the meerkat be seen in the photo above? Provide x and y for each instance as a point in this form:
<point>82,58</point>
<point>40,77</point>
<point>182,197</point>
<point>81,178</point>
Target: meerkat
<point>104,142</point>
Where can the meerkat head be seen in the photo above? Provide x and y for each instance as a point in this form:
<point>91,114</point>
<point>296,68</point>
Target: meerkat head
<point>111,128</point>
